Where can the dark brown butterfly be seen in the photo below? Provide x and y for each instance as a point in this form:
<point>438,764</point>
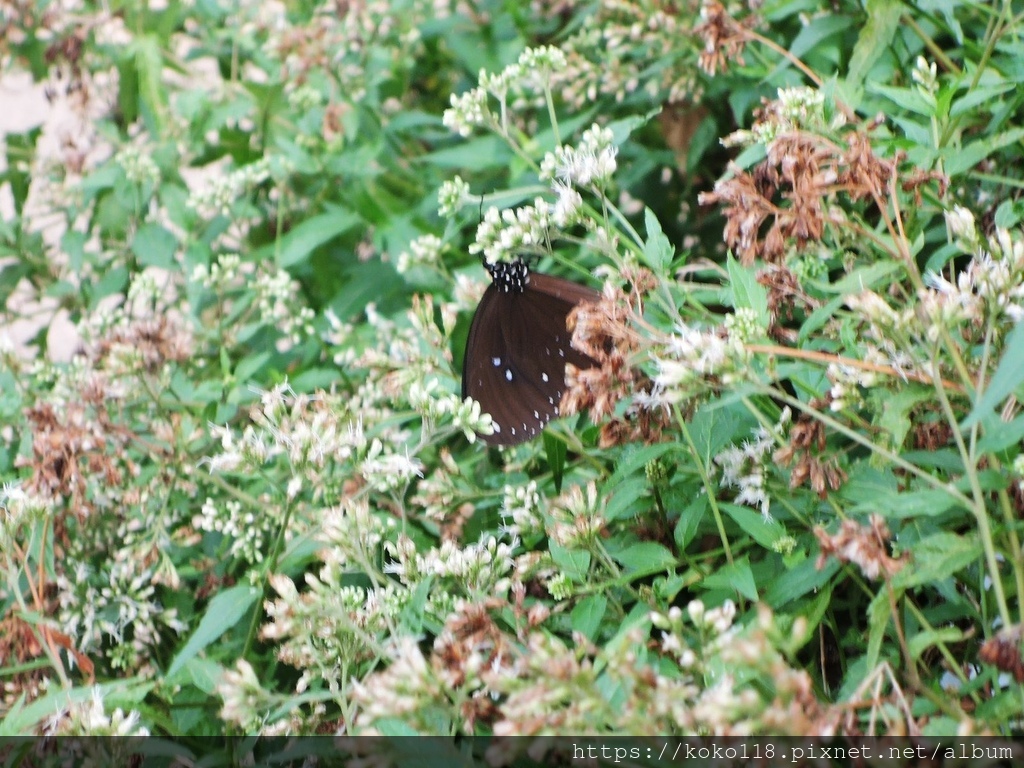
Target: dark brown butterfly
<point>518,347</point>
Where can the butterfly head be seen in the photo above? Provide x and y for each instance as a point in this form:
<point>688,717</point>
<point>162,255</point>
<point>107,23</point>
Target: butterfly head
<point>509,276</point>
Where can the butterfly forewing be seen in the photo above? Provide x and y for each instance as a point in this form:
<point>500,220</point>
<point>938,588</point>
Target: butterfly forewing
<point>516,353</point>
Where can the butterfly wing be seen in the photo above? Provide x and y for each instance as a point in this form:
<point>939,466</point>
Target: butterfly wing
<point>516,354</point>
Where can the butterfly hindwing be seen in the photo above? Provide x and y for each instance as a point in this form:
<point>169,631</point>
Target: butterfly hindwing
<point>516,353</point>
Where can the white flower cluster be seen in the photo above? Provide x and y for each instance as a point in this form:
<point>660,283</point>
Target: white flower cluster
<point>989,287</point>
<point>451,196</point>
<point>304,429</point>
<point>745,467</point>
<point>480,569</point>
<point>222,191</point>
<point>523,505</point>
<point>717,622</point>
<point>353,532</point>
<point>425,250</point>
<point>219,276</point>
<point>591,164</point>
<point>90,718</point>
<point>248,530</point>
<point>577,518</point>
<point>691,356</point>
<point>280,306</point>
<point>384,470</point>
<point>531,74</point>
<point>503,234</point>
<point>19,511</point>
<point>124,610</point>
<point>138,167</point>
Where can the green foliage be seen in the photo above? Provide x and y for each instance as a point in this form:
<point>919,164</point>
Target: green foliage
<point>242,493</point>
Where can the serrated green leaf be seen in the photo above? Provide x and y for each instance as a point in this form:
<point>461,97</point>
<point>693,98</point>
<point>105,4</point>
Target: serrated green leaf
<point>875,36</point>
<point>929,638</point>
<point>152,94</point>
<point>747,293</point>
<point>299,243</point>
<point>555,451</point>
<point>224,611</point>
<point>798,581</point>
<point>879,612</point>
<point>1000,435</point>
<point>154,246</point>
<point>645,557</point>
<point>959,160</point>
<point>764,532</point>
<point>689,521</point>
<point>622,501</point>
<point>896,409</point>
<point>658,251</point>
<point>575,563</point>
<point>1009,375</point>
<point>249,365</point>
<point>587,615</point>
<point>905,98</point>
<point>937,557</point>
<point>736,577</point>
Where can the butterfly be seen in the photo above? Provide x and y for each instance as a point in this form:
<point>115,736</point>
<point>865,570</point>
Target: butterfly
<point>518,347</point>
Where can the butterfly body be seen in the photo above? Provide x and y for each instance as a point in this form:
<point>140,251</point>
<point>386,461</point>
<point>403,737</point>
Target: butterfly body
<point>518,347</point>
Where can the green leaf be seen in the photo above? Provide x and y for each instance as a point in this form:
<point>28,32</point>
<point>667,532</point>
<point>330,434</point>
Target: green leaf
<point>555,450</point>
<point>977,96</point>
<point>299,243</point>
<point>152,94</point>
<point>812,34</point>
<point>747,293</point>
<point>622,128</point>
<point>154,246</point>
<point>764,532</point>
<point>798,581</point>
<point>225,610</point>
<point>689,521</point>
<point>896,408</point>
<point>658,251</point>
<point>633,458</point>
<point>879,612</point>
<point>20,153</point>
<point>737,577</point>
<point>876,35</point>
<point>862,278</point>
<point>1008,376</point>
<point>624,500</point>
<point>924,503</point>
<point>919,643</point>
<point>475,155</point>
<point>905,98</point>
<point>574,562</point>
<point>937,557</point>
<point>959,160</point>
<point>205,674</point>
<point>587,615</point>
<point>1000,435</point>
<point>250,365</point>
<point>645,557</point>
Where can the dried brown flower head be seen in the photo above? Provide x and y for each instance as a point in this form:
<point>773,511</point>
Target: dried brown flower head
<point>806,442</point>
<point>602,330</point>
<point>863,546</point>
<point>1004,651</point>
<point>724,38</point>
<point>784,293</point>
<point>154,341</point>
